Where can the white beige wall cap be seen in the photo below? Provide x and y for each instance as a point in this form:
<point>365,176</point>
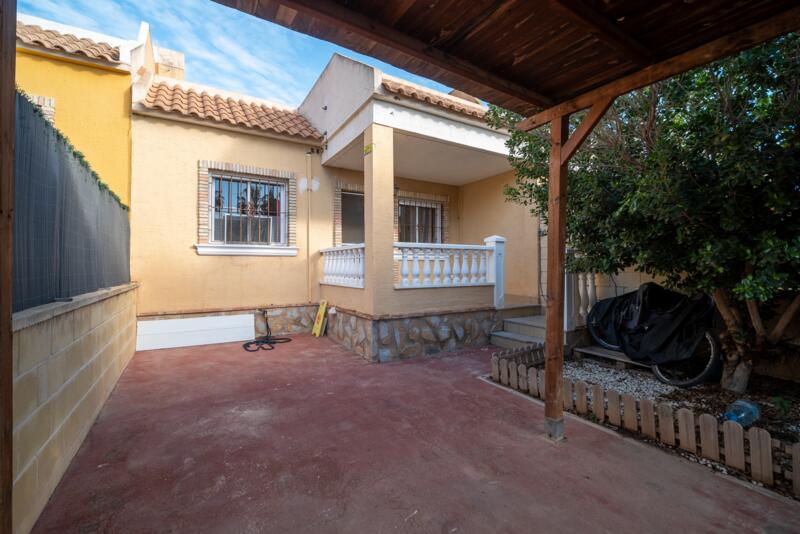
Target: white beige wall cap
<point>31,316</point>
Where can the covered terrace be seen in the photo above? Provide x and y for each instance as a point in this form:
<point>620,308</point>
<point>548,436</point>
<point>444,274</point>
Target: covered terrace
<point>545,60</point>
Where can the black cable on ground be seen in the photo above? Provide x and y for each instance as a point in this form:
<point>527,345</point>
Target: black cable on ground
<point>265,342</point>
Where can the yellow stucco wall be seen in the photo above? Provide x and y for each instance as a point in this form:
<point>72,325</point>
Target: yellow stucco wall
<point>92,108</point>
<point>174,278</point>
<point>485,212</point>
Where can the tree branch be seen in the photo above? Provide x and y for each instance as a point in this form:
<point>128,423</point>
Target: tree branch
<point>786,317</point>
<point>729,314</point>
<point>755,318</point>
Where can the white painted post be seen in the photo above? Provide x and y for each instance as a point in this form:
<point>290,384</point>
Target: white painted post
<point>464,268</point>
<point>570,300</point>
<point>415,268</point>
<point>497,268</point>
<point>583,294</point>
<point>404,268</point>
<point>426,267</point>
<point>447,257</point>
<point>473,279</point>
<point>592,291</point>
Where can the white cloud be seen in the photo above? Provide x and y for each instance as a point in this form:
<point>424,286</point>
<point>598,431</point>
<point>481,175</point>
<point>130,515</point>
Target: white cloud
<point>60,12</point>
<point>223,47</point>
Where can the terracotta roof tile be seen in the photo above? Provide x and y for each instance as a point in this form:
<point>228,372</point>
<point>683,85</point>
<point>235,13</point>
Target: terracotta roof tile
<point>31,34</point>
<point>174,98</point>
<point>433,97</point>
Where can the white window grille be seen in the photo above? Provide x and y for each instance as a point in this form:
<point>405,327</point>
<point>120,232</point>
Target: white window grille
<point>419,221</point>
<point>247,210</point>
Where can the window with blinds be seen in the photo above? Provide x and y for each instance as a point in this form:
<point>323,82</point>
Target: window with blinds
<point>248,211</point>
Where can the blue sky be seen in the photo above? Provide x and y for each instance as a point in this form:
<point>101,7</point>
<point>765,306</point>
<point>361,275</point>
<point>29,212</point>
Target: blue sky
<point>224,47</point>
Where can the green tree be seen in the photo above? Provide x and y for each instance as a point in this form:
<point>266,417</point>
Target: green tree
<point>697,180</point>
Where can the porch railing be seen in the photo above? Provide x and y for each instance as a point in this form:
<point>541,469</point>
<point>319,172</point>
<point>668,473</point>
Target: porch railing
<point>425,265</point>
<point>420,265</point>
<point>343,265</point>
<point>580,292</point>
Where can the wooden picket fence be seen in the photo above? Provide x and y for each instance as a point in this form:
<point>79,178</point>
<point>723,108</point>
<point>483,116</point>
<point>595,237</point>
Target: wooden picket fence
<point>753,452</point>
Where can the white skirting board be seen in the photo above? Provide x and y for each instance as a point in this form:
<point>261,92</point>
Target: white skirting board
<point>171,333</point>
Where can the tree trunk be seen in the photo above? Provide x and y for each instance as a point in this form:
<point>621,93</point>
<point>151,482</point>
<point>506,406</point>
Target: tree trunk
<point>736,373</point>
<point>737,364</point>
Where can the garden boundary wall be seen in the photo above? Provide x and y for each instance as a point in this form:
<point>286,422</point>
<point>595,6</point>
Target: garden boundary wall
<point>67,357</point>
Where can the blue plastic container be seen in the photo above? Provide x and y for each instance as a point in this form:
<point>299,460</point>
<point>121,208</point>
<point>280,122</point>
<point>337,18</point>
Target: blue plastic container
<point>743,412</point>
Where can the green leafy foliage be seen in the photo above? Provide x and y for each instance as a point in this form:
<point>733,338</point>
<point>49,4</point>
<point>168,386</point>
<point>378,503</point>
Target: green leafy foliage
<point>695,179</point>
<point>783,405</point>
<point>78,155</point>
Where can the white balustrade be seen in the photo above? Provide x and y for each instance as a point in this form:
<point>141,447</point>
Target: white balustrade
<point>451,265</point>
<point>343,266</point>
<point>425,265</point>
<point>580,296</point>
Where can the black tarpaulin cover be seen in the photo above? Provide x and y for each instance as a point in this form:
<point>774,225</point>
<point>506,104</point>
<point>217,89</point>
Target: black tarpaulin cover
<point>654,324</point>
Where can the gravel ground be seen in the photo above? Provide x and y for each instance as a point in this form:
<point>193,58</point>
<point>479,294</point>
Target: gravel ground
<point>782,424</point>
<point>640,384</point>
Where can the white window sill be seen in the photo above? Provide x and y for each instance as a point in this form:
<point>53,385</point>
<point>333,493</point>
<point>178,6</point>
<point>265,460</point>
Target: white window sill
<point>216,249</point>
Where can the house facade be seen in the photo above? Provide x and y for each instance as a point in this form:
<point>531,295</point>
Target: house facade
<point>381,197</point>
<point>376,195</point>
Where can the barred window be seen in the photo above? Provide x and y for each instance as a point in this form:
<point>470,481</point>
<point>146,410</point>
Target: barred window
<point>420,221</point>
<point>249,211</point>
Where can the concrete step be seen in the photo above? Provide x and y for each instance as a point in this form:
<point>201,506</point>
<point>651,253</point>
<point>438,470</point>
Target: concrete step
<point>519,311</point>
<point>512,340</point>
<point>531,325</point>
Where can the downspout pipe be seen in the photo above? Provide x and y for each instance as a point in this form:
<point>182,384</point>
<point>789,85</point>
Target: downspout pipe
<point>309,192</point>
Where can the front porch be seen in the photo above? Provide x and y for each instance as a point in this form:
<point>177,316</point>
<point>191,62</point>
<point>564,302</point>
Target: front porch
<point>427,255</point>
<point>418,266</point>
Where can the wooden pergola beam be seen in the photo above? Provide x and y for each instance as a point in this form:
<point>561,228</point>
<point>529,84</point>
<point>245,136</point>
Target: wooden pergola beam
<point>605,30</point>
<point>336,14</point>
<point>583,130</point>
<point>718,49</point>
<point>8,24</point>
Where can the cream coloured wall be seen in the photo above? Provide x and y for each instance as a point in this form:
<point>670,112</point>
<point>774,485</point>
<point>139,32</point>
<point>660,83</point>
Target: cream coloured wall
<point>485,212</point>
<point>415,186</point>
<point>174,278</point>
<point>432,188</point>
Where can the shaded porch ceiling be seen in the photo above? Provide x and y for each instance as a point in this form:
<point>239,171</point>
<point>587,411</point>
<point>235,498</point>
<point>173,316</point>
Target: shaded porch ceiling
<point>430,160</point>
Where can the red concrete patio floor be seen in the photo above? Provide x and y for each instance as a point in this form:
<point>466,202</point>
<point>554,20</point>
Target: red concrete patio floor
<point>308,438</point>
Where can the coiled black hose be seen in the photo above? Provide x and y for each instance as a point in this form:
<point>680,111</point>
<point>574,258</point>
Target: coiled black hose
<point>265,342</point>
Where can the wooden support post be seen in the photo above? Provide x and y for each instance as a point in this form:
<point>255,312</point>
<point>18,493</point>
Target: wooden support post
<point>556,249</point>
<point>562,148</point>
<point>8,23</point>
